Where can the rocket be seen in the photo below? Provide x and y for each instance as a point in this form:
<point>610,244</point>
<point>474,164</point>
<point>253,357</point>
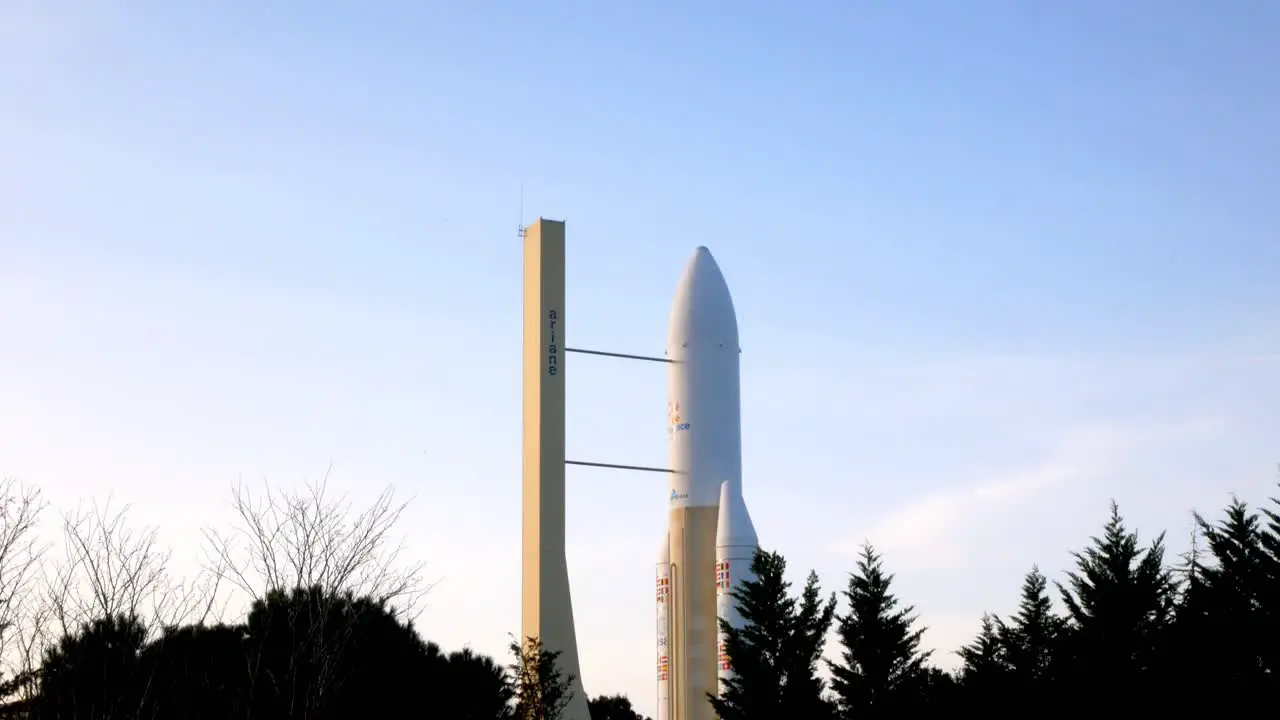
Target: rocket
<point>710,539</point>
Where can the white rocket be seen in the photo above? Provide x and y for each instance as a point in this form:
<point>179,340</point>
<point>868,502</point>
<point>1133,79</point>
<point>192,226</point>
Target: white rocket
<point>710,539</point>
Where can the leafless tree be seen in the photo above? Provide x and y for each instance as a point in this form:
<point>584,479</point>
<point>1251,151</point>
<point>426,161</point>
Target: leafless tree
<point>111,568</point>
<point>285,540</point>
<point>306,552</point>
<point>20,554</point>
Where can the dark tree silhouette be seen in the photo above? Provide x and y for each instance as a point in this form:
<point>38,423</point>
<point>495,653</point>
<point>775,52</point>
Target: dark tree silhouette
<point>613,707</point>
<point>881,670</point>
<point>478,688</point>
<point>95,673</point>
<point>196,673</point>
<point>542,691</point>
<point>1120,602</point>
<point>317,656</point>
<point>1030,639</point>
<point>985,672</point>
<point>774,655</point>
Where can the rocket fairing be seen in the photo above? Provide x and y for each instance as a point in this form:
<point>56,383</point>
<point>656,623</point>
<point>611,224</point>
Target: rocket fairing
<point>708,526</point>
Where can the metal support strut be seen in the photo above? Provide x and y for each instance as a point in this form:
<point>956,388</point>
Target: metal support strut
<point>614,466</point>
<point>624,356</point>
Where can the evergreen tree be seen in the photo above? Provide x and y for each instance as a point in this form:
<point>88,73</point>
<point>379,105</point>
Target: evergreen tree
<point>613,707</point>
<point>95,673</point>
<point>774,655</point>
<point>880,674</point>
<point>1120,601</point>
<point>1232,623</point>
<point>1030,638</point>
<point>1188,657</point>
<point>1269,594</point>
<point>985,670</point>
<point>474,687</point>
<point>541,690</point>
<point>803,690</point>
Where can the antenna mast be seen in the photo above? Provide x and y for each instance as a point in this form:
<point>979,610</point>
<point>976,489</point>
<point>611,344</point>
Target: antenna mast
<point>520,227</point>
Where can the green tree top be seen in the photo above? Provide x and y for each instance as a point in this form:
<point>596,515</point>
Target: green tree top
<point>881,661</point>
<point>774,654</point>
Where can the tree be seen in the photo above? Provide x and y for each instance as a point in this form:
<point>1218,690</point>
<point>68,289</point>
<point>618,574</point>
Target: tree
<point>477,687</point>
<point>1030,639</point>
<point>1222,614</point>
<point>775,652</point>
<point>881,670</point>
<point>803,692</point>
<point>1269,593</point>
<point>613,707</point>
<point>94,673</point>
<point>112,569</point>
<point>196,672</point>
<point>286,540</point>
<point>985,670</point>
<point>20,555</point>
<point>1120,602</point>
<point>312,655</point>
<point>310,561</point>
<point>541,690</point>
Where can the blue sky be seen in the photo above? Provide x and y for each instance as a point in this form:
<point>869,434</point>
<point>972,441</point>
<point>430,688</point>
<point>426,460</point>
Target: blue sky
<point>994,264</point>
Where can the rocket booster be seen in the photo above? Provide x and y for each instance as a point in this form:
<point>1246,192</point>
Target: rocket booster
<point>708,526</point>
<point>736,544</point>
<point>664,629</point>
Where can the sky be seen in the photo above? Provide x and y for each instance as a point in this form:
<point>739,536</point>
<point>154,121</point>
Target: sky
<point>995,264</point>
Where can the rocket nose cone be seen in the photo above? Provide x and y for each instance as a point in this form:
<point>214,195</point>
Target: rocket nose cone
<point>703,307</point>
<point>734,526</point>
<point>664,550</point>
<point>702,265</point>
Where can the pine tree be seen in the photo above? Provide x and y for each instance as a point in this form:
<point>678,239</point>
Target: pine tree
<point>1269,595</point>
<point>1120,602</point>
<point>613,707</point>
<point>802,695</point>
<point>774,654</point>
<point>984,673</point>
<point>1233,623</point>
<point>984,658</point>
<point>755,650</point>
<point>1189,658</point>
<point>881,672</point>
<point>1030,638</point>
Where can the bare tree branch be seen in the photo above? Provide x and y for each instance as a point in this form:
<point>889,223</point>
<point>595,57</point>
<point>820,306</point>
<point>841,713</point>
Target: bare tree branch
<point>285,540</point>
<point>20,554</point>
<point>112,569</point>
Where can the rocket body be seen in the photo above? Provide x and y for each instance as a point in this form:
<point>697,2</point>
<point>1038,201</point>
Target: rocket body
<point>705,455</point>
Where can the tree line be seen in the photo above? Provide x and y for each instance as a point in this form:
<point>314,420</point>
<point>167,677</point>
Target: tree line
<point>106,632</point>
<point>1131,632</point>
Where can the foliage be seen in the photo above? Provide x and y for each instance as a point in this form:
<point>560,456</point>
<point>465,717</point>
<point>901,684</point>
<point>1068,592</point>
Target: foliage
<point>613,707</point>
<point>109,634</point>
<point>775,653</point>
<point>881,668</point>
<point>541,690</point>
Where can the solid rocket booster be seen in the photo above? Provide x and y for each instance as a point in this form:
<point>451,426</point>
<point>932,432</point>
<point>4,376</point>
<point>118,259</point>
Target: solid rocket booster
<point>664,629</point>
<point>736,544</point>
<point>705,453</point>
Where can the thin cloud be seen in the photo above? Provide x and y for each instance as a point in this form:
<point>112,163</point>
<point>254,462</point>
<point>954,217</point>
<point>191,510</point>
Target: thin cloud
<point>923,534</point>
<point>930,533</point>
